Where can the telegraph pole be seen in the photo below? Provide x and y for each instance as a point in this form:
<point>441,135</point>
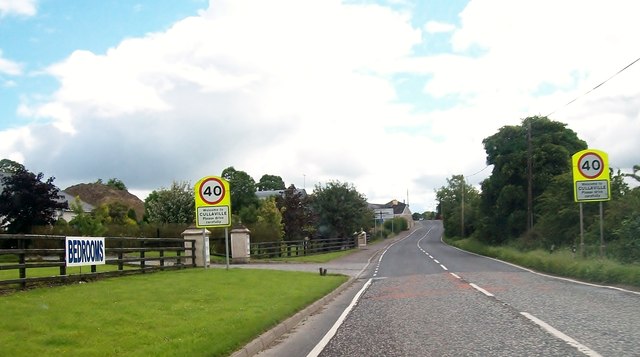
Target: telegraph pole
<point>529,179</point>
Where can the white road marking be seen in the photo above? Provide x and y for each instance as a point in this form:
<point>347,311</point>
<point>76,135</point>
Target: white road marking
<point>582,348</point>
<point>456,276</point>
<point>444,267</point>
<point>480,289</point>
<point>329,335</point>
<point>437,262</point>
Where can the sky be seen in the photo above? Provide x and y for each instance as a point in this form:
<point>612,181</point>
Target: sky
<point>393,97</point>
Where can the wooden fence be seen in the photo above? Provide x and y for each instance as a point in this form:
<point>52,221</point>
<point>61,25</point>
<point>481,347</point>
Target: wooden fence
<point>300,247</point>
<point>27,260</point>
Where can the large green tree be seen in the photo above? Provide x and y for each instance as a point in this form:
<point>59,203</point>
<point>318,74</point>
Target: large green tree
<point>9,167</point>
<point>504,198</point>
<point>458,206</point>
<point>297,216</point>
<point>243,190</point>
<point>270,183</point>
<point>268,226</point>
<point>341,210</point>
<point>175,204</point>
<point>27,201</point>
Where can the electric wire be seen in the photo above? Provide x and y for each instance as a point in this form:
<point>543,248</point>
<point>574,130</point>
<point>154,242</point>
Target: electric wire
<point>596,87</point>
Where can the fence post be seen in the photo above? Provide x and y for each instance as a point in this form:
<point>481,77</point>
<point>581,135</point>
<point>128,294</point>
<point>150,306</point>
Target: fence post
<point>22,261</point>
<point>142,262</point>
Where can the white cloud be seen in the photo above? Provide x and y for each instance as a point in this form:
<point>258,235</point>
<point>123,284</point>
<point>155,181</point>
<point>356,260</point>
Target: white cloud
<point>18,7</point>
<point>9,67</point>
<point>439,27</point>
<point>304,90</point>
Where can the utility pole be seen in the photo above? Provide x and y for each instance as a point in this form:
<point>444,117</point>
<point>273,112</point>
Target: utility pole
<point>462,207</point>
<point>529,179</point>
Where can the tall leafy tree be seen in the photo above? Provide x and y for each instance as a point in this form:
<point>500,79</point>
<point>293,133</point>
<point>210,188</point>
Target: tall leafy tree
<point>297,217</point>
<point>27,201</point>
<point>243,190</point>
<point>268,226</point>
<point>455,198</point>
<point>270,183</point>
<point>341,210</point>
<point>175,204</point>
<point>504,193</point>
<point>10,167</point>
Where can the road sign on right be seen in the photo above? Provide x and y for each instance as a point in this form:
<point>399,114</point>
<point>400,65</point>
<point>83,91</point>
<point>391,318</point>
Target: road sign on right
<point>591,181</point>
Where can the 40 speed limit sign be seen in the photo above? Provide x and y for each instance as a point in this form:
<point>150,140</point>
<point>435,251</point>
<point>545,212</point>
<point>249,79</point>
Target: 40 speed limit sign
<point>213,202</point>
<point>591,176</point>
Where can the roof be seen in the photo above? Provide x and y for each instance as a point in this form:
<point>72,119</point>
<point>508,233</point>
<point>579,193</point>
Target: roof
<point>398,207</point>
<point>70,199</point>
<point>270,193</point>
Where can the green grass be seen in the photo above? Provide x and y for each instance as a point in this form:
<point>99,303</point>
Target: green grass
<point>192,312</point>
<point>561,262</point>
<point>55,271</point>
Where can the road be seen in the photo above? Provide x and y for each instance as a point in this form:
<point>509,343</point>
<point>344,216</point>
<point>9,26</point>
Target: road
<point>420,297</point>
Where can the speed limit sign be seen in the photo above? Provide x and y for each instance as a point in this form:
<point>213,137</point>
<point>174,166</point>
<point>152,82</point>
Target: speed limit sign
<point>591,180</point>
<point>212,190</point>
<point>590,165</point>
<point>213,202</point>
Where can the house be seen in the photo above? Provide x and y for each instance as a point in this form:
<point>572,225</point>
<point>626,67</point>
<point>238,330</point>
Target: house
<point>68,214</point>
<point>263,195</point>
<point>392,209</point>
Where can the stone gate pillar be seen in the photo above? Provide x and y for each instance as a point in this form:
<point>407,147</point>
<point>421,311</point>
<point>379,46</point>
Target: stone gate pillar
<point>240,239</point>
<point>201,237</point>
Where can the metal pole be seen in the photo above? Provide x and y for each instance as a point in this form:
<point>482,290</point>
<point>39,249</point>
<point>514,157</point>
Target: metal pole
<point>601,231</point>
<point>226,245</point>
<point>581,232</point>
<point>204,250</point>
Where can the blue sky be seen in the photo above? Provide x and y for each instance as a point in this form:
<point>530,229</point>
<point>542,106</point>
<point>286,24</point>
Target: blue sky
<point>392,96</point>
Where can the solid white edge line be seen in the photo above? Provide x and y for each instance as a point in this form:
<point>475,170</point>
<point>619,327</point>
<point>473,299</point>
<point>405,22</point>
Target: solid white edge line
<point>329,335</point>
<point>582,348</point>
<point>480,289</point>
<point>542,274</point>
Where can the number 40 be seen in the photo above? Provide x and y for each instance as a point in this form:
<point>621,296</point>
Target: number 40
<point>593,164</point>
<point>217,191</point>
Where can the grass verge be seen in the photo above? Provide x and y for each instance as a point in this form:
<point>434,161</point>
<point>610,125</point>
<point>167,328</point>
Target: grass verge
<point>561,263</point>
<point>192,312</point>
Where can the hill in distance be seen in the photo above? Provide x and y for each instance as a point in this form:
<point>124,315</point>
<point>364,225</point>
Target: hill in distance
<point>98,194</point>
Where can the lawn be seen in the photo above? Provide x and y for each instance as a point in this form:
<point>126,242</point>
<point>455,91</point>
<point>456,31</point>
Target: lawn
<point>191,312</point>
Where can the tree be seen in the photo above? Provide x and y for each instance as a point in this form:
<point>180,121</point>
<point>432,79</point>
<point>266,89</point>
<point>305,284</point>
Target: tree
<point>269,227</point>
<point>27,201</point>
<point>173,205</point>
<point>341,210</point>
<point>458,197</point>
<point>87,224</point>
<point>117,184</point>
<point>297,217</point>
<point>10,167</point>
<point>243,189</point>
<point>504,194</point>
<point>270,183</point>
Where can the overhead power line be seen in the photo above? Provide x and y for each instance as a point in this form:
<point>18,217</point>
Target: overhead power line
<point>596,87</point>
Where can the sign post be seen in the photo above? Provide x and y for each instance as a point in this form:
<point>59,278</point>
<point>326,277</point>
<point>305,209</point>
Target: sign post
<point>213,208</point>
<point>591,183</point>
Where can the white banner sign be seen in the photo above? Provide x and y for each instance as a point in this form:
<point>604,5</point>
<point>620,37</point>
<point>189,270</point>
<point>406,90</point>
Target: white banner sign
<point>84,251</point>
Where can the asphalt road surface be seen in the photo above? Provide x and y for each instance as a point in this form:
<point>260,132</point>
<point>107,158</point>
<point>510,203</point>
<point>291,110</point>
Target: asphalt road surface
<point>420,297</point>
